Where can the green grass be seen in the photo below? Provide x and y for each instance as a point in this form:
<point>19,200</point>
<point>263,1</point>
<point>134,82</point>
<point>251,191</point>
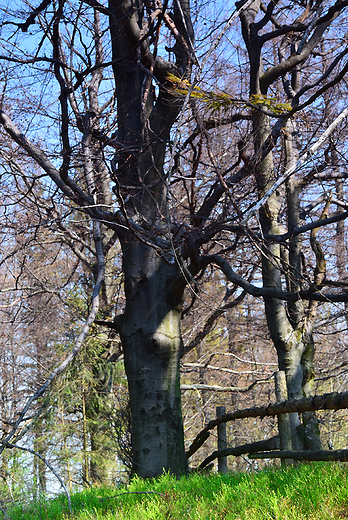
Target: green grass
<point>310,491</point>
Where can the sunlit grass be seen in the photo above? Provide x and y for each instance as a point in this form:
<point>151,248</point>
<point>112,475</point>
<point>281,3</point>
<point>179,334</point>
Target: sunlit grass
<point>310,491</point>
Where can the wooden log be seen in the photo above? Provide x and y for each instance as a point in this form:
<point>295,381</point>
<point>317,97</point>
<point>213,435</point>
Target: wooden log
<point>325,455</point>
<point>201,440</point>
<point>332,401</point>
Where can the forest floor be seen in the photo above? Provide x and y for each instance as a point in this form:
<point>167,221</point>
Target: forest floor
<point>316,491</point>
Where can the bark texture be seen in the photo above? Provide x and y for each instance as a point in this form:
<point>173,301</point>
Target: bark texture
<point>150,325</point>
<point>151,339</point>
<point>290,325</point>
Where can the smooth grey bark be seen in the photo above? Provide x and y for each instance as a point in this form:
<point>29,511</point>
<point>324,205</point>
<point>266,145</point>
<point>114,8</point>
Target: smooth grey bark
<point>287,340</point>
<point>301,317</point>
<point>290,325</point>
<point>283,420</point>
<point>154,287</point>
<point>151,339</point>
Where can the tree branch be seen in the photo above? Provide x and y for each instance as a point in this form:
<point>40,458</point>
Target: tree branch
<point>31,19</point>
<point>269,292</point>
<point>215,388</point>
<point>308,227</point>
<point>285,66</point>
<point>317,82</point>
<point>78,344</point>
<point>72,190</point>
<point>302,160</point>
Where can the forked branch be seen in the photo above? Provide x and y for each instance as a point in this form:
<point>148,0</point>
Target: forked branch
<point>302,160</point>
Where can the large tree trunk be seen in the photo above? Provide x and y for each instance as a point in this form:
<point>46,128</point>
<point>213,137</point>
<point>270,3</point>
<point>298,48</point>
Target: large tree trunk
<point>151,339</point>
<point>150,325</point>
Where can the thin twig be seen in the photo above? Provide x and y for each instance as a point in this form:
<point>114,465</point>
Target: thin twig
<point>134,493</point>
<point>10,445</point>
<point>196,79</point>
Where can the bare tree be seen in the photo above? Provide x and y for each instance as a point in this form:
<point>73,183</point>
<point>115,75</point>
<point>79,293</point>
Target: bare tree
<point>112,156</point>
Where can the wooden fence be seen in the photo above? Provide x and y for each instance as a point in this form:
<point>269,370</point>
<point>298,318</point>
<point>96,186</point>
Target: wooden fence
<point>280,445</point>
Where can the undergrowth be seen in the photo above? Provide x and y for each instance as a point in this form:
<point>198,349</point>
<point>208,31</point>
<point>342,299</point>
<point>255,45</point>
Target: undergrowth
<point>309,491</point>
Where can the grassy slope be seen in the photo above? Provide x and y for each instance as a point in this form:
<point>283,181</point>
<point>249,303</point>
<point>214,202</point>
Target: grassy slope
<point>314,491</point>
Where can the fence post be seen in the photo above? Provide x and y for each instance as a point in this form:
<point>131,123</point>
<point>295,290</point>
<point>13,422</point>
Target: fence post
<point>284,426</point>
<point>222,439</point>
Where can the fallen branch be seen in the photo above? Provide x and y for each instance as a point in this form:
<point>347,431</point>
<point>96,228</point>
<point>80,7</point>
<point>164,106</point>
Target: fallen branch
<point>326,455</point>
<point>270,444</point>
<point>195,446</point>
<point>333,401</point>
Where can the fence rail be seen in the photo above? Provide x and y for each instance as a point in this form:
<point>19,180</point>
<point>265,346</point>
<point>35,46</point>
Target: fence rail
<point>330,401</point>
